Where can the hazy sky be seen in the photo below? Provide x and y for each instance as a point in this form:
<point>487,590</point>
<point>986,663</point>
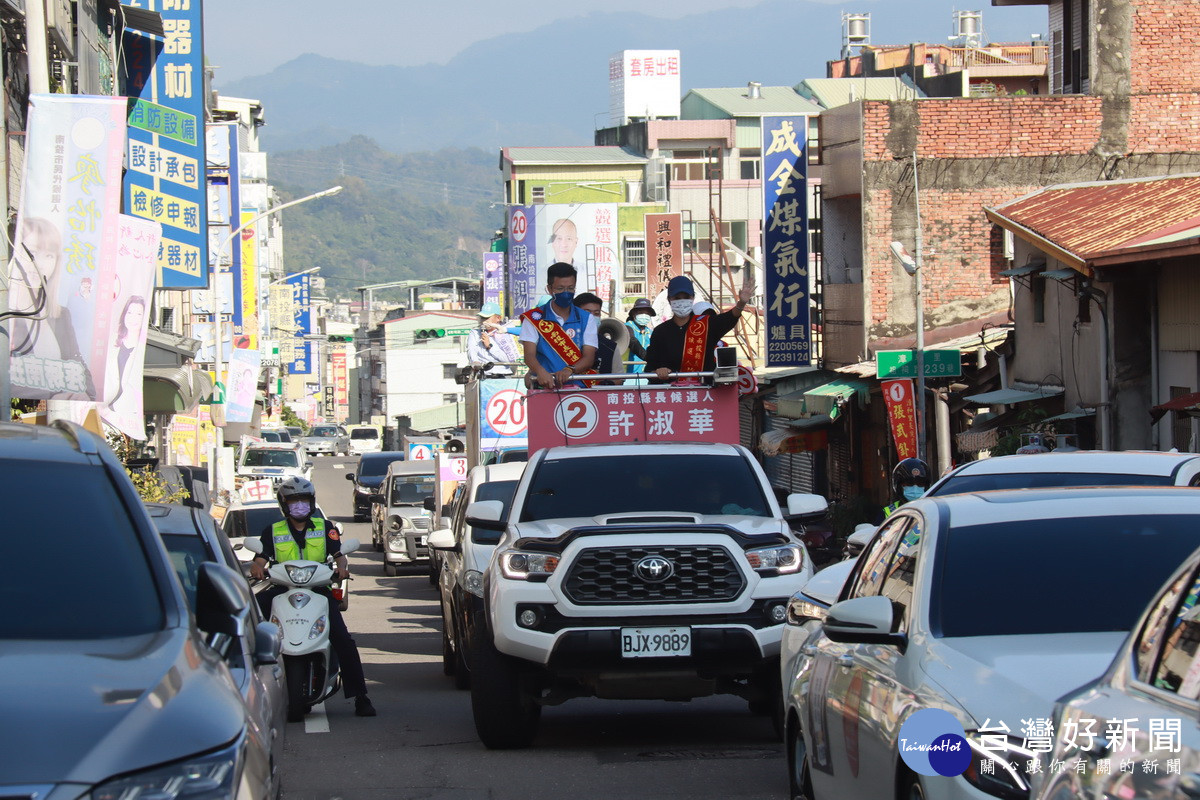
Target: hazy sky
<point>252,37</point>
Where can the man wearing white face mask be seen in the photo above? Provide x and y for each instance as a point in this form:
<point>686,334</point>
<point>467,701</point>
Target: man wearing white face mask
<point>302,536</point>
<point>685,342</point>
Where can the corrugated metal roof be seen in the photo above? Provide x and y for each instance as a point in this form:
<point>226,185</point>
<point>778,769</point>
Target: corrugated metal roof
<point>573,155</point>
<point>774,100</point>
<point>1093,220</point>
<point>834,92</point>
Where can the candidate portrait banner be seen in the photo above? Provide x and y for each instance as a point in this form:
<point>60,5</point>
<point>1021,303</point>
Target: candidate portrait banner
<point>137,263</point>
<point>64,257</point>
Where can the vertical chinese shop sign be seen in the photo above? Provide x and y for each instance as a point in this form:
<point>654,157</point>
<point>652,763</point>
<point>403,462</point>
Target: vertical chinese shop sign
<point>785,241</point>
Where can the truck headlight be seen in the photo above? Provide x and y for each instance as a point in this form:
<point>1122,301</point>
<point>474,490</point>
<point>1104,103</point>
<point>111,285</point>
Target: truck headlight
<point>395,541</point>
<point>473,582</point>
<point>784,559</point>
<point>527,566</point>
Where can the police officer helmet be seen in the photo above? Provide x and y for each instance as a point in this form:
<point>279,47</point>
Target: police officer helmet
<point>293,488</point>
<point>909,472</point>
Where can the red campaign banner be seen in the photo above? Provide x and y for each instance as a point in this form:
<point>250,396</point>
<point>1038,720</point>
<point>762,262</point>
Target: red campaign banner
<point>341,382</point>
<point>634,414</point>
<point>902,412</point>
<point>664,251</point>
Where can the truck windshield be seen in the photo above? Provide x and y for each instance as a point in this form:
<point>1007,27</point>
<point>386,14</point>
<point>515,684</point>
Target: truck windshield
<point>589,487</point>
<point>270,458</point>
<point>411,489</point>
<point>364,433</point>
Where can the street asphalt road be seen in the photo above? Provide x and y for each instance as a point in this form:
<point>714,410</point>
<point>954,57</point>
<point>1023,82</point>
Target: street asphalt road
<point>423,743</point>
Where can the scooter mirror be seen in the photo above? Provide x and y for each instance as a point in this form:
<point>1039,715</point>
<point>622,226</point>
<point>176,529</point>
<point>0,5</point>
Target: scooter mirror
<point>349,546</point>
<point>253,544</point>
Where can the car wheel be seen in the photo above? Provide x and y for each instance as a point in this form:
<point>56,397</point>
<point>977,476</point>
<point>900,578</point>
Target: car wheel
<point>433,570</point>
<point>462,672</point>
<point>389,569</point>
<point>799,770</point>
<point>448,661</point>
<point>502,700</point>
<point>911,789</point>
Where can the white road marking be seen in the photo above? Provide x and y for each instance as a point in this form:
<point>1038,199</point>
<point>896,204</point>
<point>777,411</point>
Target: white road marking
<point>317,721</point>
<point>339,466</point>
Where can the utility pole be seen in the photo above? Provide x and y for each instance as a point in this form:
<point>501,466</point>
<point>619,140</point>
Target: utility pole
<point>920,321</point>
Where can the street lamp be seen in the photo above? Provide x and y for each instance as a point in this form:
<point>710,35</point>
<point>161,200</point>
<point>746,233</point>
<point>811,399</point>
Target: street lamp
<point>215,289</point>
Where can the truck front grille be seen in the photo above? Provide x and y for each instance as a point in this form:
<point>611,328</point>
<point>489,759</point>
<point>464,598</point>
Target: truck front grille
<point>609,576</point>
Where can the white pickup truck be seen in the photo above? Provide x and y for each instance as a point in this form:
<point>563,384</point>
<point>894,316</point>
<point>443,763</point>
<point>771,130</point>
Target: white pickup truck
<point>643,570</point>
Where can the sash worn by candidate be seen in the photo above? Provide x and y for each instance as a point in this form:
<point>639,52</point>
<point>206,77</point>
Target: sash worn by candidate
<point>695,345</point>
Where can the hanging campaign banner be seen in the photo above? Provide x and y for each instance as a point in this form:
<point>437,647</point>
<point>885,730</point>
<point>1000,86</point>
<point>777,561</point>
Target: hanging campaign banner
<point>341,381</point>
<point>137,262</point>
<point>493,278</point>
<point>165,179</point>
<point>902,412</point>
<point>664,251</point>
<point>302,356</point>
<point>241,385</point>
<point>523,282</point>
<point>247,331</point>
<point>785,241</point>
<point>65,254</point>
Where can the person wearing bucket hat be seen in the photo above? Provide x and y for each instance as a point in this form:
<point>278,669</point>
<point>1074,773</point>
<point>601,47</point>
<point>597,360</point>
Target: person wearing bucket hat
<point>685,342</point>
<point>640,323</point>
<point>491,343</point>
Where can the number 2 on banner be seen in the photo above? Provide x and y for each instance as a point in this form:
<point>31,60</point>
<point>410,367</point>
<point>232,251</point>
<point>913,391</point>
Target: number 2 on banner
<point>575,416</point>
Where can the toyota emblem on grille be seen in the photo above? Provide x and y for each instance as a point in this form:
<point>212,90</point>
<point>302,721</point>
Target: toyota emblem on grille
<point>654,569</point>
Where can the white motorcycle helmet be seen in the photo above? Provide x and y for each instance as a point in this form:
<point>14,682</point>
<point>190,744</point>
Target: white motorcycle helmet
<point>294,488</point>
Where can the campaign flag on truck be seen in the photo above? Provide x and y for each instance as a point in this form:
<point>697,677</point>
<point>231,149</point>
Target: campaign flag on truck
<point>523,283</point>
<point>137,262</point>
<point>65,252</point>
<point>785,241</point>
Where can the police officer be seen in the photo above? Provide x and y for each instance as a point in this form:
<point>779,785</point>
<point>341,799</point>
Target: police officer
<point>302,536</point>
<point>910,479</point>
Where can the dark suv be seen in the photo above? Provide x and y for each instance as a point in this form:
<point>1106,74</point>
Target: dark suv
<point>110,686</point>
<point>367,477</point>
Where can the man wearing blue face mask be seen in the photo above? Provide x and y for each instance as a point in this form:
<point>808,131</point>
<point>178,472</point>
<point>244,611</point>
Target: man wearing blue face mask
<point>301,535</point>
<point>910,479</point>
<point>558,339</point>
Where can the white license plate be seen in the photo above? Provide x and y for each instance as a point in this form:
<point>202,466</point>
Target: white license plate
<point>652,642</point>
<point>421,541</point>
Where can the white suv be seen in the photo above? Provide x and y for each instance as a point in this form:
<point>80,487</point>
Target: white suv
<point>653,571</point>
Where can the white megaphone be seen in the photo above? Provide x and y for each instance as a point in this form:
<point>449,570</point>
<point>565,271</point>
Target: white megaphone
<point>618,332</point>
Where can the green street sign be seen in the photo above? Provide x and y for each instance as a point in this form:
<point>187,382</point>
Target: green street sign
<point>903,364</point>
<point>458,331</point>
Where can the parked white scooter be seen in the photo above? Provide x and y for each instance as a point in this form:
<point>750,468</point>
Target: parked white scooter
<point>303,616</point>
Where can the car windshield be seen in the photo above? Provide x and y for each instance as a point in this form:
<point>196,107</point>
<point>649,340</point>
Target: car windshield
<point>589,487</point>
<point>323,432</point>
<point>965,484</point>
<point>187,554</point>
<point>411,489</point>
<point>493,490</point>
<point>375,467</point>
<point>364,433</point>
<point>1052,576</point>
<point>103,581</point>
<point>270,458</point>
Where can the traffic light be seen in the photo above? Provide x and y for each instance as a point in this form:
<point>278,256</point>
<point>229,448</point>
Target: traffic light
<point>344,339</point>
<point>431,333</point>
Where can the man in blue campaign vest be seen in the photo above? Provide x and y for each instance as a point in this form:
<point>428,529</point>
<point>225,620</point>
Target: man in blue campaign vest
<point>302,536</point>
<point>558,340</point>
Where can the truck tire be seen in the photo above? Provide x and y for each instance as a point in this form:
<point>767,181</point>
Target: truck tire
<point>769,702</point>
<point>389,569</point>
<point>502,701</point>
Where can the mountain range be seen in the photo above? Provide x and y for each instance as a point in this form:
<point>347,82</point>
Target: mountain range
<point>550,86</point>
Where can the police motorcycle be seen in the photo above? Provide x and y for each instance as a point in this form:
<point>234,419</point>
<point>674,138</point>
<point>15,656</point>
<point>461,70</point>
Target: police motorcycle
<point>302,613</point>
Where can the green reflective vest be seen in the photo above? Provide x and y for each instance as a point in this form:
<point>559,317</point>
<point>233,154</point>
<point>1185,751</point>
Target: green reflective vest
<point>286,548</point>
<point>888,510</point>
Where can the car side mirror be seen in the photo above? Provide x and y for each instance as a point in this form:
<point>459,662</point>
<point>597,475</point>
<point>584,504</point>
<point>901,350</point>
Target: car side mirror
<point>486,514</point>
<point>803,507</point>
<point>863,620</point>
<point>349,476</point>
<point>443,539</point>
<point>429,503</point>
<point>308,465</point>
<point>268,643</point>
<point>222,599</point>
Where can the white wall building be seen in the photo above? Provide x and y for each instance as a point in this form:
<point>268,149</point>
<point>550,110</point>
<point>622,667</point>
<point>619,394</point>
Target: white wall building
<point>419,371</point>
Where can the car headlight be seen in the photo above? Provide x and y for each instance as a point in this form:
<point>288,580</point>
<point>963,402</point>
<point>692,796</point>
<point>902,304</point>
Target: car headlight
<point>473,582</point>
<point>317,628</point>
<point>212,776</point>
<point>785,559</point>
<point>1007,775</point>
<point>396,541</point>
<point>527,566</point>
<point>361,489</point>
<point>300,575</point>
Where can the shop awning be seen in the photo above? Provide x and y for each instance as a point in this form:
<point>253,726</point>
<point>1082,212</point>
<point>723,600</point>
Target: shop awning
<point>171,390</point>
<point>1007,397</point>
<point>829,398</point>
<point>1075,413</point>
<point>797,437</point>
<point>1032,266</point>
<point>1187,403</point>
<point>141,19</point>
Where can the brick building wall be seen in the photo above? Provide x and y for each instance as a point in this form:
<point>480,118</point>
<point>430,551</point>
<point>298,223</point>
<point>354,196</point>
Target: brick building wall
<point>1162,47</point>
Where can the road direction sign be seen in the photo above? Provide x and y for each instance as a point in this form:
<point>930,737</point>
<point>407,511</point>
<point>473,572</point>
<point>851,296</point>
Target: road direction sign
<point>903,364</point>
